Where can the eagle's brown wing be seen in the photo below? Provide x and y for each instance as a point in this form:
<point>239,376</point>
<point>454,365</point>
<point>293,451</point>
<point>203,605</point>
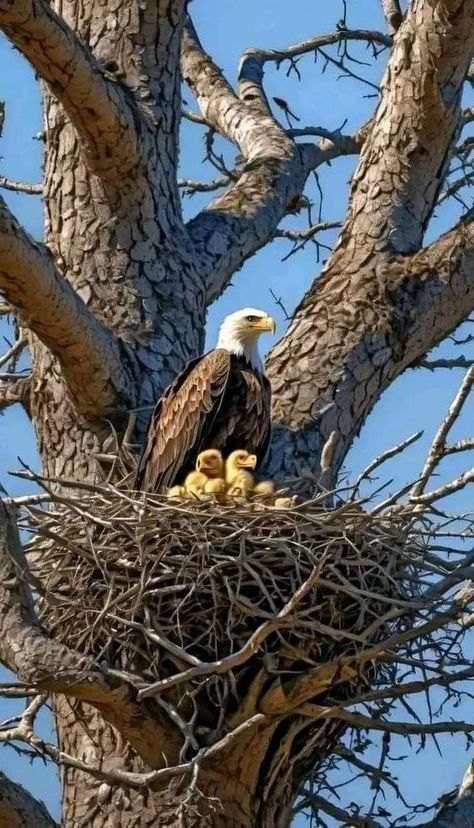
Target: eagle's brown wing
<point>182,419</point>
<point>259,395</point>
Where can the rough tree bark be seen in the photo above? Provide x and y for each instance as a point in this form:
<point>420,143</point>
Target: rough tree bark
<point>114,303</point>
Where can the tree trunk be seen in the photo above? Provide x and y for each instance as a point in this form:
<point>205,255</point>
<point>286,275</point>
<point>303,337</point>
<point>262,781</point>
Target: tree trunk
<point>123,298</point>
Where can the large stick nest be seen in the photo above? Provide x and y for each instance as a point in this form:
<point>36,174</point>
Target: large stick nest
<point>130,578</point>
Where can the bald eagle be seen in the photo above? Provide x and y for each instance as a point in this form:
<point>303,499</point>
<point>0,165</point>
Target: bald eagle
<point>221,400</point>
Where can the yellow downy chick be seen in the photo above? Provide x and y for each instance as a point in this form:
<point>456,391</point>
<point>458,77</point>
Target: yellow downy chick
<point>176,492</point>
<point>209,465</point>
<point>216,489</point>
<point>263,491</point>
<point>285,502</point>
<point>240,482</point>
<point>195,483</point>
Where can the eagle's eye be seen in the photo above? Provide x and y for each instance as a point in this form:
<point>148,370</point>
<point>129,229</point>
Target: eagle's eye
<point>251,318</point>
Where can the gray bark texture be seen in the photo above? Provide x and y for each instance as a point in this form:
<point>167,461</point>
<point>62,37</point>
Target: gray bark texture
<point>113,304</point>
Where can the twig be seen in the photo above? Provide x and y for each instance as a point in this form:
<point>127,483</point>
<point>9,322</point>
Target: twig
<point>436,451</point>
<point>381,458</point>
<point>13,352</point>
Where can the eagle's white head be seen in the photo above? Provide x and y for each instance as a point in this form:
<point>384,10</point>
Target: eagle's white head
<point>240,331</point>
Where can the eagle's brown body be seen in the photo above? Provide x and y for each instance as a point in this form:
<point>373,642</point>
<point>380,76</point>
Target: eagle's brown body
<point>218,401</point>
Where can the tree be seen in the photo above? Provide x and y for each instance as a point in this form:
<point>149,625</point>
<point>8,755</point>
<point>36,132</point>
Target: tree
<point>114,303</point>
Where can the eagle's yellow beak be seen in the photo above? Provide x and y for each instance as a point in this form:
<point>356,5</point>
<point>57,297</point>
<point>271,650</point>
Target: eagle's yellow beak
<point>266,324</point>
<point>250,462</point>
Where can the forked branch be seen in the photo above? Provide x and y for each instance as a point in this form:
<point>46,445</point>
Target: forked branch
<point>243,219</point>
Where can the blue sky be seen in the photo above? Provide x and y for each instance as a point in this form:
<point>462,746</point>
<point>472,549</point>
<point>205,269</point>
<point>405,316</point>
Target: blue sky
<point>417,400</point>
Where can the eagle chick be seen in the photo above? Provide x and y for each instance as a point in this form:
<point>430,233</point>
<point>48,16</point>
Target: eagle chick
<point>239,479</point>
<point>209,467</point>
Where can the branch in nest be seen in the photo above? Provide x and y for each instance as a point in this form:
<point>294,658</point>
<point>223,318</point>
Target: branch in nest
<point>252,645</point>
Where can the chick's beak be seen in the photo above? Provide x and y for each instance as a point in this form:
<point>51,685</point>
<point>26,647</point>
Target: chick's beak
<point>266,324</point>
<point>250,463</point>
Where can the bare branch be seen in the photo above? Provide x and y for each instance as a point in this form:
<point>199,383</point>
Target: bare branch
<point>96,106</point>
<point>305,47</point>
<point>19,809</point>
<point>468,115</point>
<point>382,458</point>
<point>455,186</point>
<point>308,234</point>
<point>436,452</point>
<point>445,490</point>
<point>241,220</point>
<point>432,364</point>
<point>20,186</point>
<point>461,445</point>
<point>153,780</point>
<point>321,804</point>
<point>14,352</point>
<point>92,360</point>
<point>252,131</point>
<point>191,186</point>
